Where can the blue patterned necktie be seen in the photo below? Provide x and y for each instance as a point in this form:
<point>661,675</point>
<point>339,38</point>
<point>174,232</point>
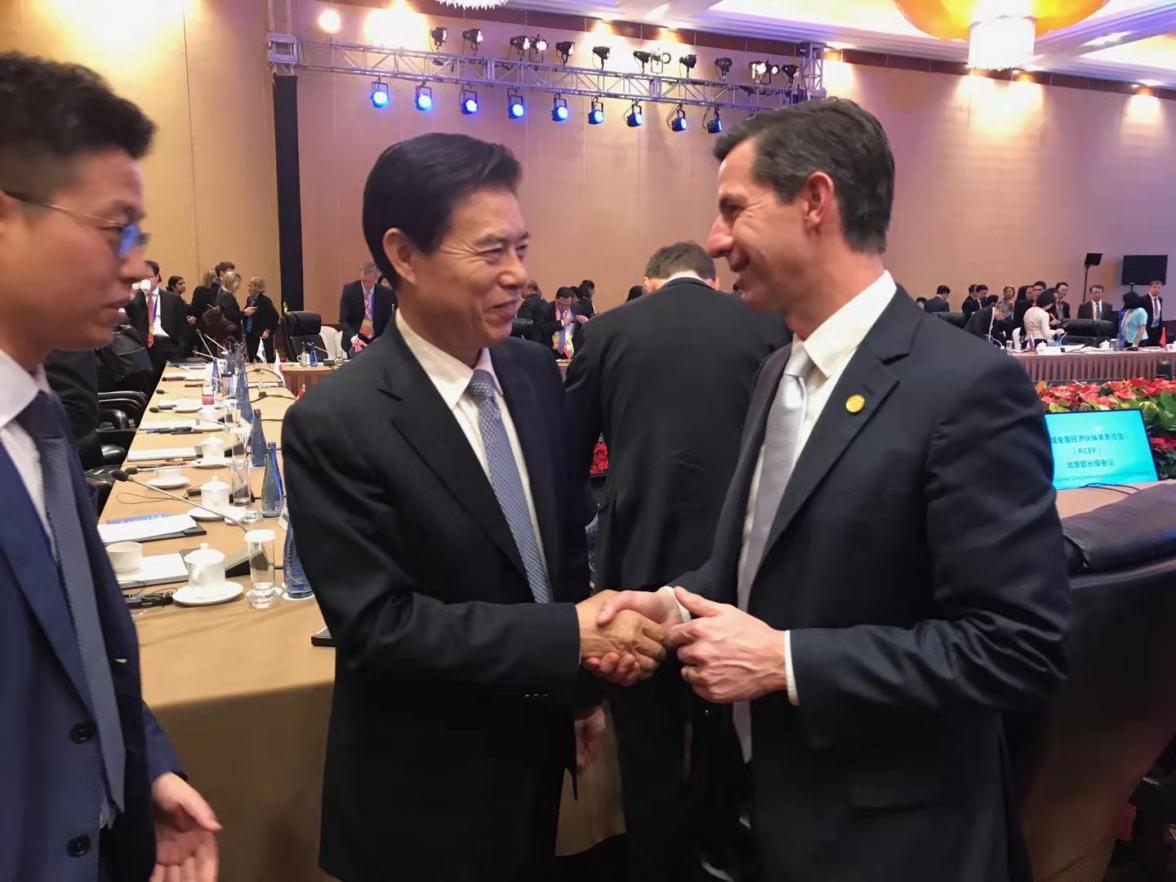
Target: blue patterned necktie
<point>781,436</point>
<point>43,422</point>
<point>507,484</point>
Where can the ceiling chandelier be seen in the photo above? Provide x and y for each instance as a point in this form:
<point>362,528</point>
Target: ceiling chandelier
<point>474,4</point>
<point>1001,34</point>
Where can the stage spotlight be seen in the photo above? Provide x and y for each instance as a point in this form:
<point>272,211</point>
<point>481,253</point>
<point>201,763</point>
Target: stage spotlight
<point>677,120</point>
<point>515,108</point>
<point>469,102</point>
<point>565,50</point>
<point>559,110</point>
<point>520,44</point>
<point>379,95</point>
<point>329,22</point>
<point>439,36</point>
<point>759,71</point>
<point>596,112</point>
<point>635,117</point>
<point>714,125</point>
<point>644,57</point>
<point>472,37</point>
<point>539,43</point>
<point>790,71</point>
<point>723,66</point>
<point>423,98</point>
<point>601,52</point>
<point>664,58</point>
<point>688,61</point>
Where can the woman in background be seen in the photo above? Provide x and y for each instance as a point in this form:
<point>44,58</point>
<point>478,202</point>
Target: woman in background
<point>260,320</point>
<point>1133,324</point>
<point>1037,322</point>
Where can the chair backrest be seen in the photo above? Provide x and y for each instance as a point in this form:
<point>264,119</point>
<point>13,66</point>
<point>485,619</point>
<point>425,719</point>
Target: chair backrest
<point>301,328</point>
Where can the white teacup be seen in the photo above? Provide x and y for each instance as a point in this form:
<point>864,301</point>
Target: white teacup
<point>210,413</point>
<point>125,557</point>
<point>169,473</point>
<point>213,450</point>
<point>214,496</point>
<point>206,568</point>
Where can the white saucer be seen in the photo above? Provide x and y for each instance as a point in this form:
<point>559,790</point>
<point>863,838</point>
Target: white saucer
<point>189,596</point>
<point>168,483</point>
<point>218,464</point>
<point>203,514</point>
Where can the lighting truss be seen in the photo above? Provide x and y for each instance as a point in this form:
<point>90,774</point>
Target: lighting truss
<point>478,72</point>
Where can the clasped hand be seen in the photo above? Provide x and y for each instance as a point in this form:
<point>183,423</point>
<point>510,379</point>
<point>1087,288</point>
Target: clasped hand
<point>627,634</point>
<point>727,655</point>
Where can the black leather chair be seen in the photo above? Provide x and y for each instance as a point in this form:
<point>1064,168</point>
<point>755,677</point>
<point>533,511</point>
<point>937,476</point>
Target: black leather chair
<point>953,318</point>
<point>1080,760</point>
<point>302,328</point>
<point>1088,332</point>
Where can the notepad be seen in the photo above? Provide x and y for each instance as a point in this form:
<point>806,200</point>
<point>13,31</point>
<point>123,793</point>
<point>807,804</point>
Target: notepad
<point>162,453</point>
<point>156,569</point>
<point>145,527</point>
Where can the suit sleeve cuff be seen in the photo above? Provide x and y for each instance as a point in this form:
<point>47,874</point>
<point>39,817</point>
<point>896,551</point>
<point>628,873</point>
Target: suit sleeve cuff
<point>789,678</point>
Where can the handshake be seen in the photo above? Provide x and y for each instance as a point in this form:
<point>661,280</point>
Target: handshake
<point>727,655</point>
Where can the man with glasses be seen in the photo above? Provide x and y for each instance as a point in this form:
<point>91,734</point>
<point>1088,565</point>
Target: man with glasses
<point>92,789</point>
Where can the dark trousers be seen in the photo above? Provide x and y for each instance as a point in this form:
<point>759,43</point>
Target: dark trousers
<point>650,719</point>
<point>160,354</point>
<point>1153,335</point>
<point>251,341</point>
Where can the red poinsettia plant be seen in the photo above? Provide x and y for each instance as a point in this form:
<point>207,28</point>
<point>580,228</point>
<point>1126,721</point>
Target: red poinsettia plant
<point>1156,400</point>
<point>599,460</point>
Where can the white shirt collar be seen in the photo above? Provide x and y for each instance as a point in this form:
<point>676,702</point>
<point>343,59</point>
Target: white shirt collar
<point>839,336</point>
<point>18,387</point>
<point>450,375</point>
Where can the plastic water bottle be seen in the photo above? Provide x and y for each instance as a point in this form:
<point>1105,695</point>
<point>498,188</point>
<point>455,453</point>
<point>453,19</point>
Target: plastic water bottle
<point>272,493</point>
<point>313,354</point>
<point>257,445</point>
<point>297,586</point>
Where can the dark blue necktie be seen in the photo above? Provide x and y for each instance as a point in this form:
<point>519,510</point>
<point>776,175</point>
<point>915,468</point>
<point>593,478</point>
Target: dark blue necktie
<point>45,422</point>
<point>507,483</point>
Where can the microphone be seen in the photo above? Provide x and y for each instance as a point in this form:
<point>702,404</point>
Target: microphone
<point>208,340</point>
<point>128,475</point>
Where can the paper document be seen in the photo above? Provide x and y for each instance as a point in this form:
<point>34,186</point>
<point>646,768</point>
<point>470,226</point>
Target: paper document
<point>156,569</point>
<point>162,453</point>
<point>145,527</point>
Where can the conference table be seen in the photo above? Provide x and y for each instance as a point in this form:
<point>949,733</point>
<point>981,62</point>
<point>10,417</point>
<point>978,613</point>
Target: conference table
<point>1094,364</point>
<point>245,697</point>
<point>297,377</point>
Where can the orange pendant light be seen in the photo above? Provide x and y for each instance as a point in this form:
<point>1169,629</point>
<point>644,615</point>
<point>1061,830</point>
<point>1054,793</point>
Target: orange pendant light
<point>953,19</point>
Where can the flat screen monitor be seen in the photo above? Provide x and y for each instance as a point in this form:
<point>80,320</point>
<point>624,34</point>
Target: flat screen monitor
<point>1142,269</point>
<point>1099,447</point>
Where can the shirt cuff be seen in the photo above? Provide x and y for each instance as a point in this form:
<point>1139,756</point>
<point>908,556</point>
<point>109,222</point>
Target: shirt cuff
<point>789,680</point>
<point>682,611</point>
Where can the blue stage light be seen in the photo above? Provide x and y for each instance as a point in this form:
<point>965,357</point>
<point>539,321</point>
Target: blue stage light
<point>424,98</point>
<point>559,110</point>
<point>469,103</point>
<point>596,113</point>
<point>635,116</point>
<point>678,120</point>
<point>379,95</point>
<point>515,108</point>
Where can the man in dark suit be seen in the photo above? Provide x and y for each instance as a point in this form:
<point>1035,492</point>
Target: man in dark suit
<point>1097,308</point>
<point>688,355</point>
<point>939,303</point>
<point>562,325</point>
<point>73,377</point>
<point>584,306</point>
<point>852,612</point>
<point>992,323</point>
<point>92,790</point>
<point>443,533</point>
<point>1153,305</point>
<point>1061,293</point>
<point>974,300</point>
<point>160,318</point>
<point>364,310</point>
<point>532,311</point>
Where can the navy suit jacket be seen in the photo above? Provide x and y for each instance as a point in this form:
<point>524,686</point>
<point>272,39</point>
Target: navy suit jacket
<point>50,763</point>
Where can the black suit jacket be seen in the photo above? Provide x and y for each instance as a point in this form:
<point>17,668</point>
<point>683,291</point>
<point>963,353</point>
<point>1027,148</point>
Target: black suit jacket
<point>351,310</point>
<point>454,691</point>
<point>74,377</point>
<point>230,309</point>
<point>917,560</point>
<point>548,325</point>
<point>173,313</point>
<point>981,325</point>
<point>667,380</point>
<point>203,299</point>
<point>1147,307</point>
<point>1063,310</point>
<point>1107,313</point>
<point>936,304</point>
<point>969,306</point>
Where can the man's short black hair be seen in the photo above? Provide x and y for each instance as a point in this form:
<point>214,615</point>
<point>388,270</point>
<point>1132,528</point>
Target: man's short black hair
<point>154,268</point>
<point>920,300</point>
<point>1059,284</point>
<point>834,136</point>
<point>587,283</point>
<point>415,185</point>
<point>565,292</point>
<point>679,258</point>
<point>942,291</point>
<point>1040,284</point>
<point>224,265</point>
<point>52,113</point>
<point>1156,282</point>
<point>980,289</point>
<point>1100,287</point>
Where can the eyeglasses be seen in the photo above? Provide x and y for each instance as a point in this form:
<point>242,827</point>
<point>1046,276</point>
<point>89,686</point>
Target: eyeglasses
<point>130,236</point>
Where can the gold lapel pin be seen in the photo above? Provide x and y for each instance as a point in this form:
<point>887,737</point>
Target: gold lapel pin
<point>855,404</point>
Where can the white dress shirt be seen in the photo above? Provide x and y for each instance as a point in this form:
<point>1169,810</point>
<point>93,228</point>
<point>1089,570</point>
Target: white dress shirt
<point>17,390</point>
<point>822,358</point>
<point>1157,311</point>
<point>153,309</point>
<point>451,377</point>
